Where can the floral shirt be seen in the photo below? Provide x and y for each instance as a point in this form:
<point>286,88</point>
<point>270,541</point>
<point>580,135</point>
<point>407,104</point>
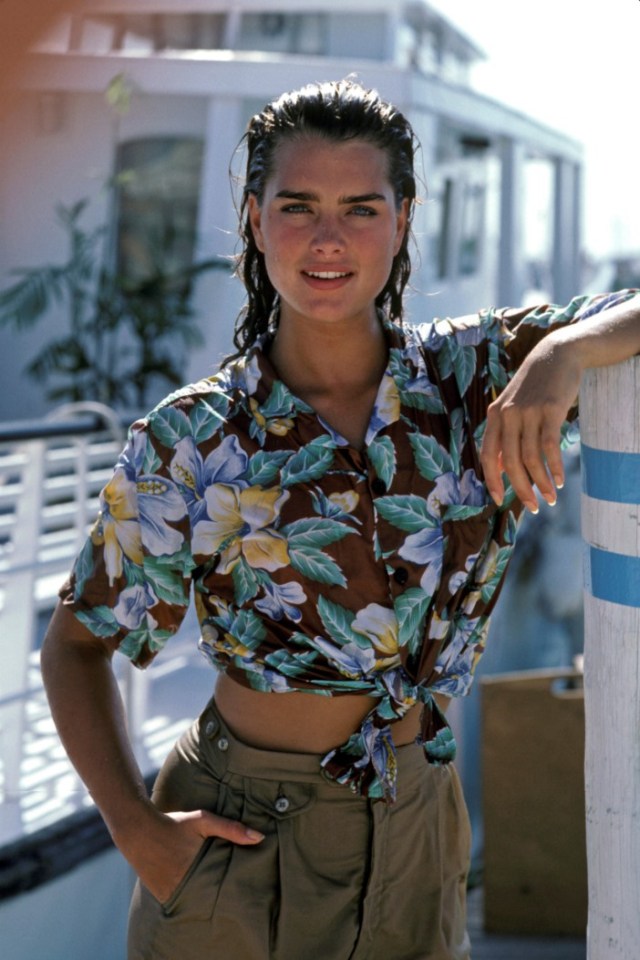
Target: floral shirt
<point>316,566</point>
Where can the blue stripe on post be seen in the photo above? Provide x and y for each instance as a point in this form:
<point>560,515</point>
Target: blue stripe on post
<point>609,475</point>
<point>613,577</point>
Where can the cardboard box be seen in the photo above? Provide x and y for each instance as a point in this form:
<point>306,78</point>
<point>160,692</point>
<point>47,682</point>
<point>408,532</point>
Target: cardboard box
<point>535,870</point>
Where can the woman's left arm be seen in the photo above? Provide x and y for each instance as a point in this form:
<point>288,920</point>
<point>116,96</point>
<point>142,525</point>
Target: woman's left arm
<point>522,437</point>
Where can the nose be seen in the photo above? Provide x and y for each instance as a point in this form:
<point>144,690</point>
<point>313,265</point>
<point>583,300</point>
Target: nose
<point>328,237</point>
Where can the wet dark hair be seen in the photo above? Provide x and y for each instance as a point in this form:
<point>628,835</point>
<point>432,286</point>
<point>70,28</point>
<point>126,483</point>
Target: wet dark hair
<point>340,111</point>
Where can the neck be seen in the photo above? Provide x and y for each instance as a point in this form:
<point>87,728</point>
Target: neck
<point>327,358</point>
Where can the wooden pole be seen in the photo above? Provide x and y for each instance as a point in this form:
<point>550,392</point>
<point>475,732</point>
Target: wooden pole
<point>610,432</point>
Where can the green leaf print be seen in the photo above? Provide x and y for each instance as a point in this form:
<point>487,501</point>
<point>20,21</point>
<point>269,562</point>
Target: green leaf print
<point>497,373</point>
<point>411,609</point>
<point>245,582</point>
<point>432,460</point>
<point>457,439</point>
<point>310,462</point>
<point>170,425</point>
<point>408,512</point>
<point>317,566</point>
<point>337,622</point>
<point>219,403</point>
<point>151,462</point>
<point>136,639</point>
<point>264,467</point>
<point>100,620</point>
<point>83,567</point>
<point>204,422</point>
<point>430,402</point>
<point>291,665</point>
<point>464,366</point>
<point>397,366</point>
<point>493,581</point>
<point>461,511</point>
<point>314,532</point>
<point>279,403</point>
<point>166,584</point>
<point>382,454</point>
<point>248,629</point>
<point>459,360</point>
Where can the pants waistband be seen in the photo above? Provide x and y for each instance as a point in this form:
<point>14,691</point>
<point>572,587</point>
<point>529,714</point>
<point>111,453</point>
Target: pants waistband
<point>244,760</point>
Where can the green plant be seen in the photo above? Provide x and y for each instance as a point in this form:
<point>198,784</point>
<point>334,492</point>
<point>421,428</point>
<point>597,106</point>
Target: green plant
<point>122,333</point>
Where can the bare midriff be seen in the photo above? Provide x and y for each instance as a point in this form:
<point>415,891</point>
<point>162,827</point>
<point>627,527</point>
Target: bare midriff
<point>302,722</point>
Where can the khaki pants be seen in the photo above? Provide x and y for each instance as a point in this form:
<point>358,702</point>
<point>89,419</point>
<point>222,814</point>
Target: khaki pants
<point>337,877</point>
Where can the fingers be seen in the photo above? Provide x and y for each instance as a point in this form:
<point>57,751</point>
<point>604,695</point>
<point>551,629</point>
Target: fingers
<point>207,824</point>
<point>491,455</point>
<point>525,445</point>
<point>229,829</point>
<point>170,847</point>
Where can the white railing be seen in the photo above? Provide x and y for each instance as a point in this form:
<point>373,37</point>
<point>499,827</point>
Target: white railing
<point>50,476</point>
<point>51,473</point>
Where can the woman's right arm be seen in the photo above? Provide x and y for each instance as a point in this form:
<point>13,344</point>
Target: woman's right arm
<point>88,712</point>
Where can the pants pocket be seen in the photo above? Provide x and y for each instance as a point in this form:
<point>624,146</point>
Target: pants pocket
<point>169,905</point>
<point>196,895</point>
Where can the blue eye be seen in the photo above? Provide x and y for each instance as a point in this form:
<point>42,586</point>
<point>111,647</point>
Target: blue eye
<point>295,208</point>
<point>364,211</point>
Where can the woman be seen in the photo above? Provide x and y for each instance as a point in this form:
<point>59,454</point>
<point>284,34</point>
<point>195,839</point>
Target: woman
<point>327,496</point>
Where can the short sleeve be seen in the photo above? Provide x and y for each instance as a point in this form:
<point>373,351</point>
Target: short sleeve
<point>480,353</point>
<point>130,583</point>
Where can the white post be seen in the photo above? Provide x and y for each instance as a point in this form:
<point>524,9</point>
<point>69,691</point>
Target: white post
<point>610,430</point>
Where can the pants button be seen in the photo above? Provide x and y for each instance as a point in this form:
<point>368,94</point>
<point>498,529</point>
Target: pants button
<point>282,804</point>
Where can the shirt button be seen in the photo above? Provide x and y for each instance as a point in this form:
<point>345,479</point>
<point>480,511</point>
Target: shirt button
<point>282,804</point>
<point>210,728</point>
<point>401,575</point>
<point>378,486</point>
<point>223,744</point>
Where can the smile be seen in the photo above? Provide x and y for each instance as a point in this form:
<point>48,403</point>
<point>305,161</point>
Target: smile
<point>326,274</point>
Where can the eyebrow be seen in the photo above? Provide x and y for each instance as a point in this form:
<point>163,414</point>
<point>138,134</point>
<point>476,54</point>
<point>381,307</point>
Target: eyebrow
<point>306,197</point>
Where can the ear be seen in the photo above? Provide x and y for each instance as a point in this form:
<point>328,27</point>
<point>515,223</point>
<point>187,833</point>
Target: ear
<point>255,221</point>
<point>402,223</point>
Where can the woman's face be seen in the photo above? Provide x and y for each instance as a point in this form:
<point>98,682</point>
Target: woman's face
<point>329,228</point>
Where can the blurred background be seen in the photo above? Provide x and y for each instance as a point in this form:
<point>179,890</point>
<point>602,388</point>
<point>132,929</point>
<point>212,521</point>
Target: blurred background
<point>118,123</point>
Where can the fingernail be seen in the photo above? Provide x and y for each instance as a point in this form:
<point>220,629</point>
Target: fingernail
<point>559,483</point>
<point>552,502</point>
<point>254,834</point>
<point>532,509</point>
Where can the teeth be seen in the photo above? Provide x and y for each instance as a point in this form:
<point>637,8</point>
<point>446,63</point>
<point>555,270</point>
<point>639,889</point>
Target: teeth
<point>326,275</point>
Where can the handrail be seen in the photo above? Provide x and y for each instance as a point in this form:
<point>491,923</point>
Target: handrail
<point>17,431</point>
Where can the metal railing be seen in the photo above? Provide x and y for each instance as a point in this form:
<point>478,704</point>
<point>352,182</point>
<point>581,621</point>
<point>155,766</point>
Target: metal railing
<point>51,473</point>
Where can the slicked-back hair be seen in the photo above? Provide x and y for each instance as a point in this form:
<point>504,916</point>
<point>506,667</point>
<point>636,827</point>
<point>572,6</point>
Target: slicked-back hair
<point>336,111</point>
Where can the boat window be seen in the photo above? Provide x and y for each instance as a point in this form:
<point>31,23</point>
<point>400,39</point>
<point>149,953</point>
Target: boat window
<point>158,186</point>
<point>148,32</point>
<point>283,32</point>
<point>471,229</point>
<point>441,242</point>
